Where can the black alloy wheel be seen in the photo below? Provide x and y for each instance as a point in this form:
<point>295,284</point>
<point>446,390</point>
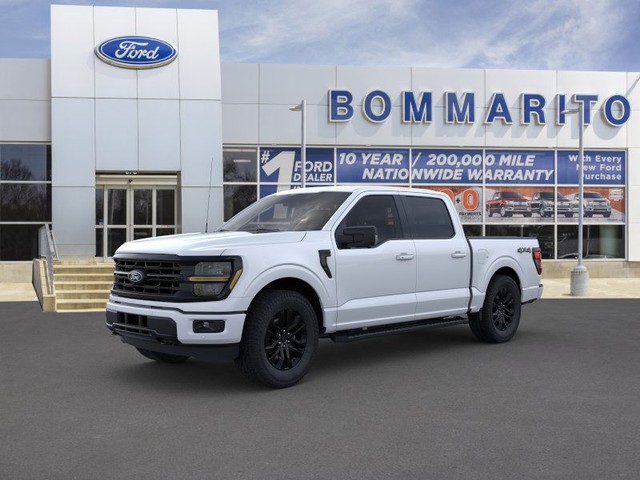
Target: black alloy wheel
<point>498,319</point>
<point>285,340</point>
<point>503,309</point>
<point>279,339</point>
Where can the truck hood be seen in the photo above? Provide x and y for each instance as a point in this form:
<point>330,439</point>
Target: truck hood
<point>198,244</point>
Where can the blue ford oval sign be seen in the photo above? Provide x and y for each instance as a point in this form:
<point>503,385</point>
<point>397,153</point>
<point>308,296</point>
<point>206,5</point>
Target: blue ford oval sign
<point>136,52</point>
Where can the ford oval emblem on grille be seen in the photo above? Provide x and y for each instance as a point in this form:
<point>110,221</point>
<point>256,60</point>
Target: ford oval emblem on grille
<point>136,52</point>
<point>136,277</point>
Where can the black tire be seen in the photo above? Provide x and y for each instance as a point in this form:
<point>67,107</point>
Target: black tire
<point>498,320</point>
<point>161,357</point>
<point>279,340</point>
<point>606,215</point>
<point>568,215</point>
<point>527,214</point>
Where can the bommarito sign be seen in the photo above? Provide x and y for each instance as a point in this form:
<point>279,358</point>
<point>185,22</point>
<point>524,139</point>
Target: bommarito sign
<point>417,107</point>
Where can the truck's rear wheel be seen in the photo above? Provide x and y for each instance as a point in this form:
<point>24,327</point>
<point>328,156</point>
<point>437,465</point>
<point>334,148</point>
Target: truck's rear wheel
<point>499,317</point>
<point>279,340</point>
<point>161,357</point>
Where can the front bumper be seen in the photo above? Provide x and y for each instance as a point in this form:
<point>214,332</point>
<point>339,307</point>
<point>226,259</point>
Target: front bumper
<point>231,333</point>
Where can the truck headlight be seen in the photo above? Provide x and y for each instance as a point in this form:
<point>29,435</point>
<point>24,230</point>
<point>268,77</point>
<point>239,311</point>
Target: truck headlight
<point>211,278</point>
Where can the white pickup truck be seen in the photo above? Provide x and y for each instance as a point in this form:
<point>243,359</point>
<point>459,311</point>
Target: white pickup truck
<point>343,263</point>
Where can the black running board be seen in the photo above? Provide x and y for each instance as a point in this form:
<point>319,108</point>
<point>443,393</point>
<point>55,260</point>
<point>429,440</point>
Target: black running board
<point>363,333</point>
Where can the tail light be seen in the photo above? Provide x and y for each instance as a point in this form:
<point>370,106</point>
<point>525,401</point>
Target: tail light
<point>536,253</point>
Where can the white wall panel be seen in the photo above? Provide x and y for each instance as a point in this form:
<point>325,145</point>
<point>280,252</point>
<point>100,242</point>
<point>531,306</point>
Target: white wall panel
<point>633,89</point>
<point>116,134</point>
<point>72,56</point>
<point>73,217</point>
<point>159,135</point>
<point>194,208</point>
<point>603,84</point>
<point>290,84</point>
<point>633,168</point>
<point>240,83</point>
<point>162,82</point>
<point>634,242</point>
<point>25,121</point>
<point>597,135</point>
<point>360,131</point>
<point>72,144</point>
<point>512,83</point>
<point>239,123</point>
<point>362,80</point>
<point>199,54</point>
<point>500,135</point>
<point>441,80</point>
<point>25,79</point>
<point>114,82</point>
<point>319,130</point>
<point>201,143</point>
<point>439,133</point>
<point>278,124</point>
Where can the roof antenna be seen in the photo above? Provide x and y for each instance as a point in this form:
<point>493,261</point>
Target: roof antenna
<point>206,224</point>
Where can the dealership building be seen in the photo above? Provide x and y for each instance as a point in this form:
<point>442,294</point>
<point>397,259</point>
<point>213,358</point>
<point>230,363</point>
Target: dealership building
<point>134,129</point>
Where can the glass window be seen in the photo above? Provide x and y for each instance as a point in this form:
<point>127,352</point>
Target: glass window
<point>18,242</point>
<point>472,230</point>
<point>237,198</point>
<point>30,163</point>
<point>100,207</point>
<point>142,206</point>
<point>25,202</point>
<point>117,206</point>
<point>239,164</point>
<point>99,242</point>
<point>599,241</point>
<point>165,207</point>
<point>378,211</point>
<point>544,234</point>
<point>428,218</point>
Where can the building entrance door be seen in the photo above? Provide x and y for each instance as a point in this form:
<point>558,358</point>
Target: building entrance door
<point>133,208</point>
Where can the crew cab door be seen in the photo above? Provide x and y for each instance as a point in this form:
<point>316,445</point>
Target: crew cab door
<point>376,283</point>
<point>443,257</point>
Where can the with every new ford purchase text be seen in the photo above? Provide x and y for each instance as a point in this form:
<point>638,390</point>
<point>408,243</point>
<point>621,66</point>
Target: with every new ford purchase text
<point>344,263</point>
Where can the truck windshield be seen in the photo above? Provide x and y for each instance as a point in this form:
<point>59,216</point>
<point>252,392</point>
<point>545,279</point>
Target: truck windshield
<point>283,213</point>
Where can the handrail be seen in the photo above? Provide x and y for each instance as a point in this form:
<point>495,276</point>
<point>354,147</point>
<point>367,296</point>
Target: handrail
<point>48,250</point>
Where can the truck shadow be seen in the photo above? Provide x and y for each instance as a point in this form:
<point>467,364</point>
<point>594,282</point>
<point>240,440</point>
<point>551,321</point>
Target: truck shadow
<point>331,359</point>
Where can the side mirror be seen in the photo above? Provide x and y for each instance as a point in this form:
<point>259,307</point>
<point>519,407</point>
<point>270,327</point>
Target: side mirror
<point>357,237</point>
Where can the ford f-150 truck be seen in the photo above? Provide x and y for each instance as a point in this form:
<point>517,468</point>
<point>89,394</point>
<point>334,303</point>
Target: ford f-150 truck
<point>343,263</point>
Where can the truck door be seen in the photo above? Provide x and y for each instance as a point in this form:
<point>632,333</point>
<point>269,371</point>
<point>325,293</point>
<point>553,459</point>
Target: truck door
<point>443,257</point>
<point>376,283</point>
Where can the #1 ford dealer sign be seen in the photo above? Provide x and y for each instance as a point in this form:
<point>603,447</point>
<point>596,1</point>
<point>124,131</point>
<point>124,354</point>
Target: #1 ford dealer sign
<point>136,52</point>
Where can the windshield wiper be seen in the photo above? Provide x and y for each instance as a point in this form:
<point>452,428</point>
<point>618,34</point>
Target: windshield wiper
<point>262,230</point>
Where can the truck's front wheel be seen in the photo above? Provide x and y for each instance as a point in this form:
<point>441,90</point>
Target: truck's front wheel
<point>279,340</point>
<point>499,317</point>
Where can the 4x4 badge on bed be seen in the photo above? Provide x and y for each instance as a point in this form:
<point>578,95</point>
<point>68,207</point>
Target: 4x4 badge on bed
<point>136,277</point>
<point>520,250</point>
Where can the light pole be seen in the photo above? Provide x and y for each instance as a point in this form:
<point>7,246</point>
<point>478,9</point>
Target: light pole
<point>302,107</point>
<point>580,274</point>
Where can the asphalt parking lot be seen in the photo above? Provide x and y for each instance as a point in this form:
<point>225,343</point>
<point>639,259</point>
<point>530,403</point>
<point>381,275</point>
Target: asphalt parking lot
<point>562,400</point>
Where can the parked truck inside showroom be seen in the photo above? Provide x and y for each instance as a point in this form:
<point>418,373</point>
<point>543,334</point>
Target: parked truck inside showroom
<point>344,263</point>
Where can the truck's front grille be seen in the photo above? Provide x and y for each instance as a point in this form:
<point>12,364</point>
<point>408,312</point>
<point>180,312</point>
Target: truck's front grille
<point>159,277</point>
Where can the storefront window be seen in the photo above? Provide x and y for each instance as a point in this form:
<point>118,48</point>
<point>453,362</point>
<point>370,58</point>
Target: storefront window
<point>239,164</point>
<point>25,199</point>
<point>599,241</point>
<point>544,234</point>
<point>237,198</point>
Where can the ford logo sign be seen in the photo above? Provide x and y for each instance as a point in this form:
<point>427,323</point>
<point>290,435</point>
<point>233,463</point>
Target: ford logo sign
<point>136,277</point>
<point>136,52</point>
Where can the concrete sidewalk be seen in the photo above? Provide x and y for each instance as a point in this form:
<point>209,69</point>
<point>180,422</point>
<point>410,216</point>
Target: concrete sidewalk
<point>553,288</point>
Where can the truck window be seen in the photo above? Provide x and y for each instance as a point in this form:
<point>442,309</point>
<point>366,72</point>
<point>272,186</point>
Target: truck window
<point>428,218</point>
<point>376,210</point>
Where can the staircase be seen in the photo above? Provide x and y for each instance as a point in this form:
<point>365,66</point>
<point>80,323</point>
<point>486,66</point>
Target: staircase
<point>82,286</point>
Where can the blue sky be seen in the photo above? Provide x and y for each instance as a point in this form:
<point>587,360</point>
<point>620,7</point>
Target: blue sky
<point>533,34</point>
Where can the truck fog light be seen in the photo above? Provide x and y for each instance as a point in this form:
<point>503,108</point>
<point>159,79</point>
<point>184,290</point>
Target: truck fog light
<point>208,326</point>
<point>207,289</point>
